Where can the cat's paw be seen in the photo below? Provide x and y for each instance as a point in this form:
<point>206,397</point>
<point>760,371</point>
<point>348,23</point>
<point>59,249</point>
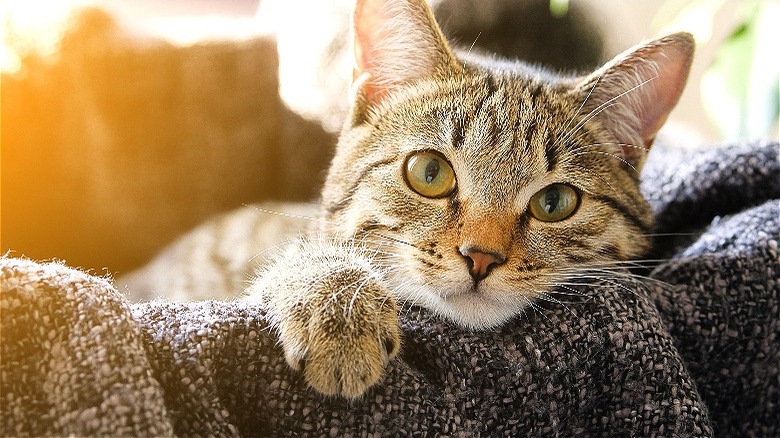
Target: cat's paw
<point>336,320</point>
<point>342,335</point>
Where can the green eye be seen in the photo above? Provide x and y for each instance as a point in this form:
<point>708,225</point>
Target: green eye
<point>429,174</point>
<point>554,203</point>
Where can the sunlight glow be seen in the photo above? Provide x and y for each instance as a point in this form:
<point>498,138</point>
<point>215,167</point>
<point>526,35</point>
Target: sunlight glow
<point>33,26</point>
<point>188,30</point>
<point>37,26</point>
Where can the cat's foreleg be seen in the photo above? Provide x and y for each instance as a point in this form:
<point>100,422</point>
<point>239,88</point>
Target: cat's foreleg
<point>336,320</point>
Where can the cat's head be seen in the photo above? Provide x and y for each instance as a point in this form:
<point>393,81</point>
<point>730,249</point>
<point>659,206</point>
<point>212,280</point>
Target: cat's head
<point>490,181</point>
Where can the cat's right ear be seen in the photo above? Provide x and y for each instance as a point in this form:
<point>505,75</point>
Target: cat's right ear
<point>396,42</point>
<point>634,93</point>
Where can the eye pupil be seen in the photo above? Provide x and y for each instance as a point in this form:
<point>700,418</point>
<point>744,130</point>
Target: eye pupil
<point>431,170</point>
<point>554,203</point>
<point>551,200</point>
<point>429,174</point>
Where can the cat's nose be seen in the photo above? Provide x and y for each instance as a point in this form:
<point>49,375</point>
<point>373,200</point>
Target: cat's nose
<point>480,262</point>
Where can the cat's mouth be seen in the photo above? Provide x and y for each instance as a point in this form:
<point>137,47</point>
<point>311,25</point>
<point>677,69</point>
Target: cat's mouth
<point>474,290</point>
<point>474,305</point>
<point>462,290</point>
<point>471,292</point>
<point>478,307</point>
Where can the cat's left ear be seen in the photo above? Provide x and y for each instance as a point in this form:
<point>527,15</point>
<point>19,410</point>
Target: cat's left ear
<point>634,93</point>
<point>396,42</point>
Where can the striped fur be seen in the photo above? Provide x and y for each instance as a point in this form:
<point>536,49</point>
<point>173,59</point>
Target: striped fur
<point>508,130</point>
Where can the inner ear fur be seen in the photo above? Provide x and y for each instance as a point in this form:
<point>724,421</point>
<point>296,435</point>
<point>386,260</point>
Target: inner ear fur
<point>633,94</point>
<point>395,43</point>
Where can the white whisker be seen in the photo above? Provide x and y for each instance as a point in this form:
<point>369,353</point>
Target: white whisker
<point>580,154</point>
<point>603,106</point>
<point>579,110</point>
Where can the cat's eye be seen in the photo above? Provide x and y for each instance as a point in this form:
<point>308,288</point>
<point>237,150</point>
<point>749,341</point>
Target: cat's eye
<point>554,203</point>
<point>429,174</point>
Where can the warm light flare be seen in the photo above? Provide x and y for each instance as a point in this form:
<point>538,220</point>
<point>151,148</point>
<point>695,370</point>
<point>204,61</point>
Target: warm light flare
<point>33,27</point>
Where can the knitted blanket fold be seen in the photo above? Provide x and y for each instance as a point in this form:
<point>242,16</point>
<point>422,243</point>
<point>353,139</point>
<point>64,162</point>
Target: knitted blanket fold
<point>689,348</point>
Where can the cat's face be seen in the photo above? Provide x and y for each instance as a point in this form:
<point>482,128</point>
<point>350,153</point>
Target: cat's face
<point>484,185</point>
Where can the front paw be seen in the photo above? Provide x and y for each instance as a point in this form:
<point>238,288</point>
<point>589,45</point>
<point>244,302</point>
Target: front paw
<point>341,333</point>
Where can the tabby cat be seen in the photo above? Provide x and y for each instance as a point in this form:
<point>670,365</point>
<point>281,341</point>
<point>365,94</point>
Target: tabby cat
<point>464,184</point>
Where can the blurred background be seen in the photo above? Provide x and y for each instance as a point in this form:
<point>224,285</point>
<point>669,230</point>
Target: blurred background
<point>125,123</point>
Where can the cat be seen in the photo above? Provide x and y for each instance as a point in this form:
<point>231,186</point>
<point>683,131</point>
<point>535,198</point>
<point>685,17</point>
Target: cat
<point>465,184</point>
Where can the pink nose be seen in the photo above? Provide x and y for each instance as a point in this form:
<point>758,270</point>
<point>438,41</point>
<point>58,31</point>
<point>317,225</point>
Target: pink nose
<point>480,262</point>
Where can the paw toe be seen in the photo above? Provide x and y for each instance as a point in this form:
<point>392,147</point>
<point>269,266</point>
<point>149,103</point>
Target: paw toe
<point>391,347</point>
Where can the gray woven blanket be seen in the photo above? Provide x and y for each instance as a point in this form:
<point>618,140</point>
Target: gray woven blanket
<point>690,348</point>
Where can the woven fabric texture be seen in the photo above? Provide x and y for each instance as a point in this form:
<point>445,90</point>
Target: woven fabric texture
<point>690,347</point>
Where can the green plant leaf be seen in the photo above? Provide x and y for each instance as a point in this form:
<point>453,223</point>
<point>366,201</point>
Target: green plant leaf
<point>740,88</point>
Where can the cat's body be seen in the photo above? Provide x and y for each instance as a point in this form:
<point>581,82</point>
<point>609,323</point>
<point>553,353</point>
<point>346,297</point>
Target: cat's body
<point>467,185</point>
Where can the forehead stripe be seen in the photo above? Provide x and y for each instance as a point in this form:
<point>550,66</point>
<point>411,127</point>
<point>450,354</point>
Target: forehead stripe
<point>347,198</point>
<point>624,211</point>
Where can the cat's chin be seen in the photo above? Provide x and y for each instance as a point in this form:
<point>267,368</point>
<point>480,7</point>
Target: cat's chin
<point>477,311</point>
<point>471,309</point>
<point>456,299</point>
